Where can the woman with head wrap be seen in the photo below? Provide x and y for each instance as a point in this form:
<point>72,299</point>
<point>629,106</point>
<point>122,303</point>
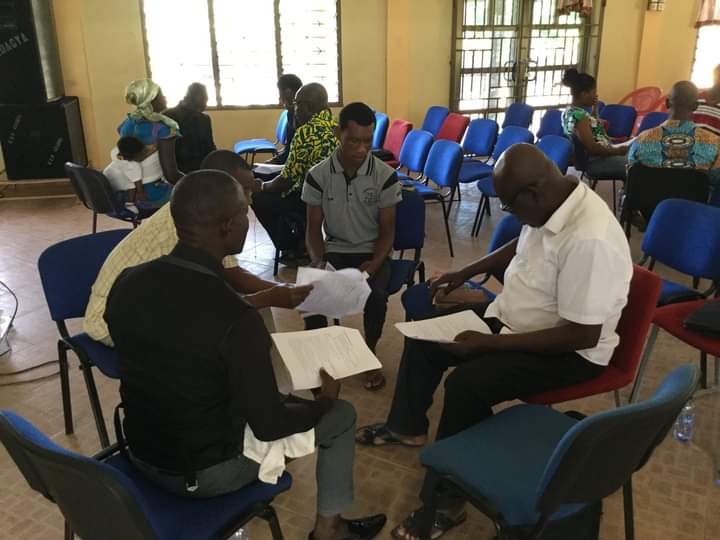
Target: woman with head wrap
<point>155,130</point>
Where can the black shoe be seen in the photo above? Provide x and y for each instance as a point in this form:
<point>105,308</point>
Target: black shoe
<point>363,528</point>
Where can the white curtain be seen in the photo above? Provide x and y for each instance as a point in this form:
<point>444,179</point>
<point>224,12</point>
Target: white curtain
<point>583,7</point>
<point>709,13</point>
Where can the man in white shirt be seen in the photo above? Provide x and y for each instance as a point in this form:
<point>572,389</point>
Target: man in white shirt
<point>566,283</point>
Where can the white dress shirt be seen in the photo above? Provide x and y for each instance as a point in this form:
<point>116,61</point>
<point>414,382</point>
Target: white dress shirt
<point>576,267</point>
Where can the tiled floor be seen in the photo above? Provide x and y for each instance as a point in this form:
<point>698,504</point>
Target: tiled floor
<point>675,497</point>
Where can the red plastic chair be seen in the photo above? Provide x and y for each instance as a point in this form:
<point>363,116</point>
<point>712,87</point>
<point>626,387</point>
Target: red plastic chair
<point>632,329</point>
<point>453,128</point>
<point>670,318</point>
<point>395,138</point>
<point>643,100</point>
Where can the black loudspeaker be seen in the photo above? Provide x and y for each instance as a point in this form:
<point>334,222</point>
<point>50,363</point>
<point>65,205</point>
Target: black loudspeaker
<point>29,57</point>
<point>37,140</point>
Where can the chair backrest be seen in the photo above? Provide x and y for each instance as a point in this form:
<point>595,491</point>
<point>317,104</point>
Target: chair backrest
<point>415,150</point>
<point>620,118</point>
<point>410,221</point>
<point>507,229</point>
<point>550,124</point>
<point>443,163</point>
<point>646,187</point>
<point>396,136</point>
<point>559,149</point>
<point>381,126</point>
<point>635,320</point>
<point>68,270</point>
<point>281,128</point>
<point>642,99</point>
<point>480,137</point>
<point>509,136</point>
<point>518,114</point>
<point>453,127</point>
<point>97,500</point>
<point>651,120</point>
<point>600,453</point>
<point>684,235</point>
<point>434,118</point>
<point>97,193</point>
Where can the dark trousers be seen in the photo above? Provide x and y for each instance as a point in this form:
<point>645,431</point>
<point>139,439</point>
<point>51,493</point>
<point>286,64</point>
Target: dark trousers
<point>276,213</point>
<point>376,305</point>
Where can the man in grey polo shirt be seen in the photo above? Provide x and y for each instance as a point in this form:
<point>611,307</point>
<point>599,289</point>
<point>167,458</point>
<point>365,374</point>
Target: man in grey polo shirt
<point>353,195</point>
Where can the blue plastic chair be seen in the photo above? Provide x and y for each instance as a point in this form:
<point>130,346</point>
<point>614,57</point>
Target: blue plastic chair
<point>67,272</point>
<point>409,235</point>
<point>434,119</point>
<point>441,167</point>
<point>551,124</point>
<point>250,147</point>
<point>416,299</point>
<point>685,236</point>
<point>381,126</point>
<point>558,149</point>
<point>480,138</point>
<point>652,120</point>
<point>621,120</point>
<point>568,468</point>
<point>518,114</point>
<point>105,496</point>
<point>509,136</point>
<point>414,152</point>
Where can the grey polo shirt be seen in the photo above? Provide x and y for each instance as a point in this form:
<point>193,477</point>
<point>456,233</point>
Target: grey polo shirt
<point>351,205</point>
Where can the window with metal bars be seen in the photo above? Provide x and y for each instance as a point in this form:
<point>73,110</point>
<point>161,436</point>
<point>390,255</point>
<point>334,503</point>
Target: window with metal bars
<point>239,48</point>
<point>706,57</point>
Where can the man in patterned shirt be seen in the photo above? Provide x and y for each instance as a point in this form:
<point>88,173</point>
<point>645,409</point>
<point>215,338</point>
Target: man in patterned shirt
<point>679,142</point>
<point>278,201</point>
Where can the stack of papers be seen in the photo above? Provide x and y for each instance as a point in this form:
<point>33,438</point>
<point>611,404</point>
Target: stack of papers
<point>340,351</point>
<point>443,329</point>
<point>336,293</point>
<point>268,168</point>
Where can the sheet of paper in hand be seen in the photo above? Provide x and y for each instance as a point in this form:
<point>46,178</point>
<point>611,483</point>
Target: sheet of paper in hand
<point>336,293</point>
<point>340,351</point>
<point>443,329</point>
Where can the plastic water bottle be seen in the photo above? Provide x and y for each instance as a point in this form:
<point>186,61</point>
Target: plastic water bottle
<point>683,429</point>
<point>240,534</point>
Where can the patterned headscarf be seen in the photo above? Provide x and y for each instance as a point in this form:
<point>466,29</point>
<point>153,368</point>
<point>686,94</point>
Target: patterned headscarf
<point>141,94</point>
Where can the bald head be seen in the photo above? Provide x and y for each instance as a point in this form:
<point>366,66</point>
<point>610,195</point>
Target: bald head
<point>683,99</point>
<point>231,163</point>
<point>310,100</point>
<point>202,200</point>
<point>529,184</point>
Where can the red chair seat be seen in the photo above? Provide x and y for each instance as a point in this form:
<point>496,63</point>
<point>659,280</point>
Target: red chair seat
<point>670,318</point>
<point>611,379</point>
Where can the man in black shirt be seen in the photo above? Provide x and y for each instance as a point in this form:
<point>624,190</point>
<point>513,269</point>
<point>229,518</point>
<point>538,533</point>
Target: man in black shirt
<point>288,85</point>
<point>196,140</point>
<point>195,367</point>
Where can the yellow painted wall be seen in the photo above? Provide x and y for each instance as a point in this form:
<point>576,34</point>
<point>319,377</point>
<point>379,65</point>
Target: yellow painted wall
<point>102,49</point>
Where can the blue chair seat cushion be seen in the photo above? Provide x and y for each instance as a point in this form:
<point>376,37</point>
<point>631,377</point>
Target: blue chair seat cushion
<point>486,187</point>
<point>672,293</point>
<point>401,270</point>
<point>503,460</point>
<point>185,518</point>
<point>254,145</point>
<point>102,356</point>
<point>471,171</point>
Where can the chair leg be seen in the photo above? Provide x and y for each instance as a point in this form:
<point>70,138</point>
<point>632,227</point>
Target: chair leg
<point>277,262</point>
<point>95,405</point>
<point>452,197</point>
<point>484,200</point>
<point>703,370</point>
<point>616,394</point>
<point>65,387</point>
<point>69,535</point>
<point>446,218</point>
<point>643,363</point>
<point>94,222</point>
<point>421,272</point>
<point>696,282</point>
<point>270,516</point>
<point>614,198</point>
<point>629,513</point>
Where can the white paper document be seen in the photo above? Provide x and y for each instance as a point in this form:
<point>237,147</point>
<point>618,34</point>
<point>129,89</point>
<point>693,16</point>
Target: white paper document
<point>443,329</point>
<point>340,351</point>
<point>336,293</point>
<point>268,168</point>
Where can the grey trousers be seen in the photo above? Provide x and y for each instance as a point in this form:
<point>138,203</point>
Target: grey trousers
<point>335,438</point>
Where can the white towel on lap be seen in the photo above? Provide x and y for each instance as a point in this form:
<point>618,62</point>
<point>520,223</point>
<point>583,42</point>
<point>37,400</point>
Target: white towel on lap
<point>271,454</point>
